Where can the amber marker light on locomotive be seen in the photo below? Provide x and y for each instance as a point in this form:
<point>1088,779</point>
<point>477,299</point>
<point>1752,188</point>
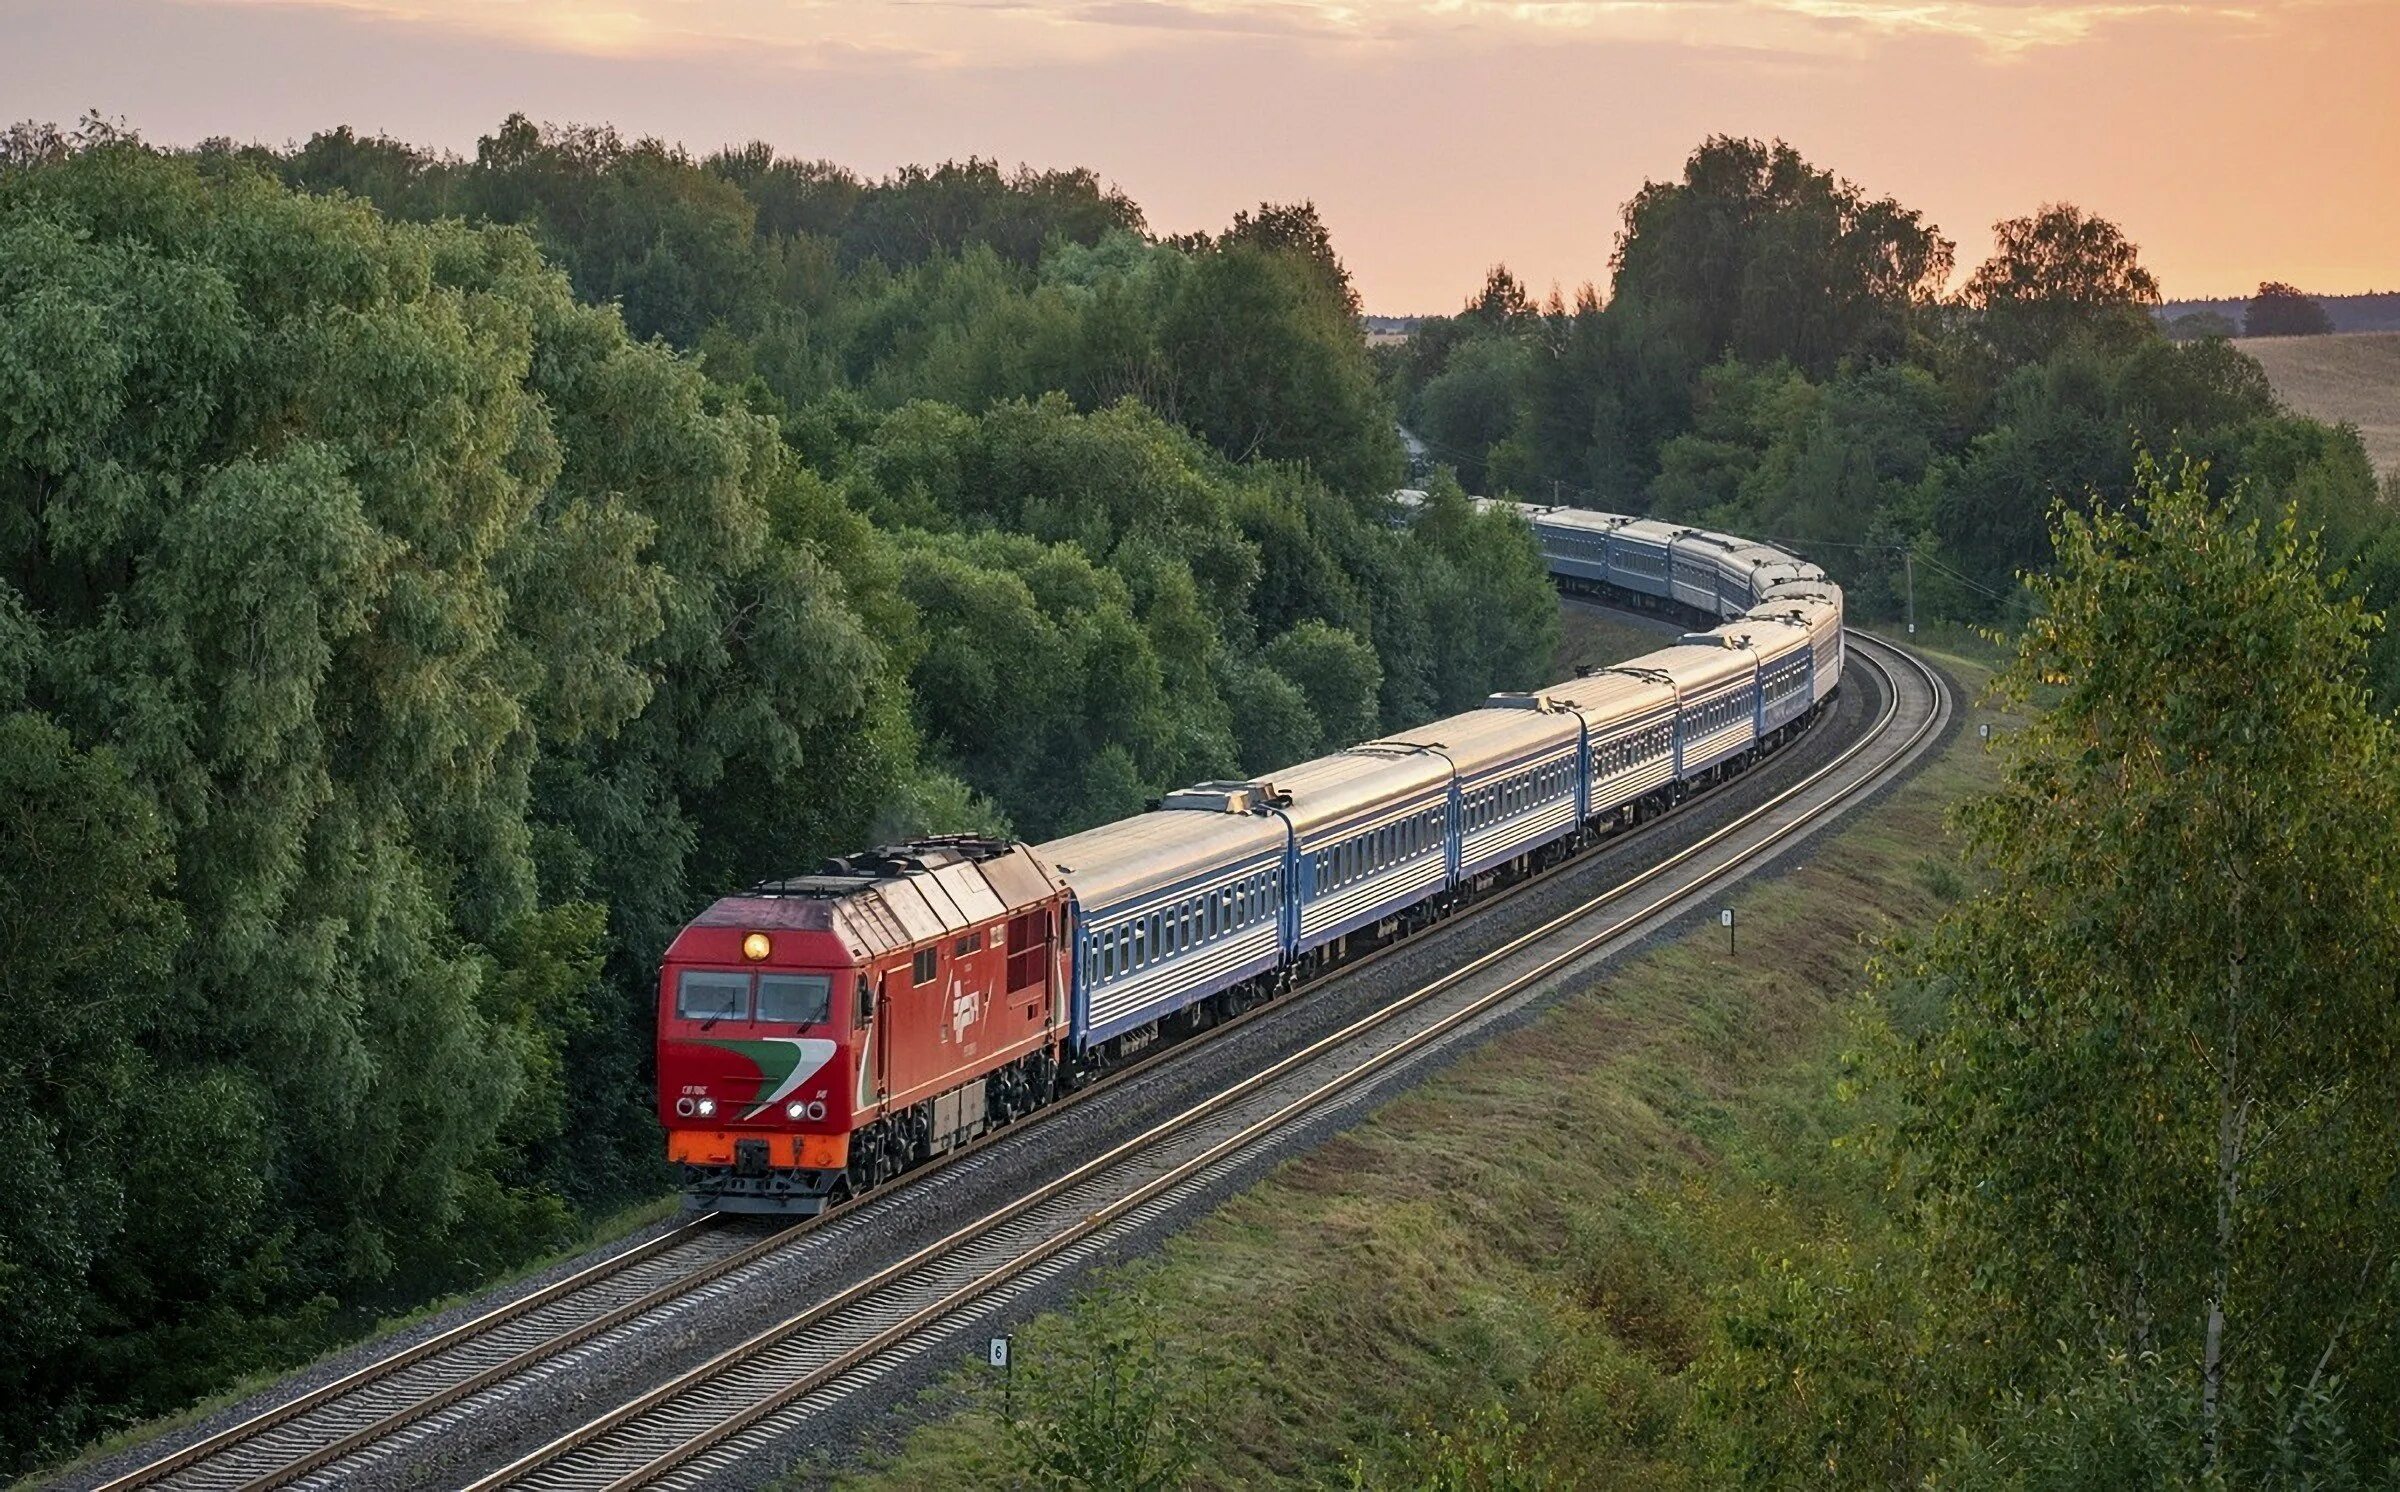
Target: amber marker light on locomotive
<point>756,946</point>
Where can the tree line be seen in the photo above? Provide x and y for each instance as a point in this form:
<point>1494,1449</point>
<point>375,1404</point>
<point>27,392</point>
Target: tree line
<point>1778,355</point>
<point>424,583</point>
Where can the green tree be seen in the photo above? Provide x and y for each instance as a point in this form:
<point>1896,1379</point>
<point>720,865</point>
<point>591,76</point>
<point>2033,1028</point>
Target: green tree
<point>456,645</point>
<point>87,933</point>
<point>2280,310</point>
<point>1755,252</point>
<point>1336,673</point>
<point>1267,362</point>
<point>2199,326</point>
<point>2059,273</point>
<point>1480,597</point>
<point>1474,404</point>
<point>2160,1123</point>
<point>1295,231</point>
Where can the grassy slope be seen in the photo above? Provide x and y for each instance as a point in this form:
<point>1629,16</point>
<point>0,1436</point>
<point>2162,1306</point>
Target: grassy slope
<point>1530,1225</point>
<point>2355,377</point>
<point>1590,638</point>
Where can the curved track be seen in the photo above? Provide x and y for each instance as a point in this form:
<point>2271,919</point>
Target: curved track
<point>382,1408</point>
<point>693,1429</point>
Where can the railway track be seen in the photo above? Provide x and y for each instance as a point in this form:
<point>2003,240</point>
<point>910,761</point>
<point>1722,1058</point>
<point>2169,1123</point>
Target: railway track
<point>377,1409</point>
<point>695,1428</point>
<point>295,1437</point>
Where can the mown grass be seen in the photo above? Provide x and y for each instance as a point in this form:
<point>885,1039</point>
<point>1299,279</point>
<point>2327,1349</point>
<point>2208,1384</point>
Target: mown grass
<point>2353,377</point>
<point>1542,1224</point>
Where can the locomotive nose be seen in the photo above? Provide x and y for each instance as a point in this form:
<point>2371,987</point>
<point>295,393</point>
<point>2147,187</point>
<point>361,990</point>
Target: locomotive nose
<point>752,1079</point>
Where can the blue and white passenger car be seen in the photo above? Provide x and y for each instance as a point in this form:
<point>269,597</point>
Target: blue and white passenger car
<point>1172,906</point>
<point>1785,664</point>
<point>1704,573</point>
<point>1628,716</point>
<point>1818,604</point>
<point>1516,777</point>
<point>1575,541</point>
<point>1371,836</point>
<point>1716,700</point>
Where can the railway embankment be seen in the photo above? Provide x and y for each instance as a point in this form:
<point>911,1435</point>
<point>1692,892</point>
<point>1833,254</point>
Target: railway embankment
<point>1533,1255</point>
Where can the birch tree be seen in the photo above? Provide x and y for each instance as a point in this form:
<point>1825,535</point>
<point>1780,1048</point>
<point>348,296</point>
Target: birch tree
<point>2162,1126</point>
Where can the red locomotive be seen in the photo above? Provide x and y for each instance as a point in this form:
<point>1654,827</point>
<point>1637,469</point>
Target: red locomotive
<point>819,1035</point>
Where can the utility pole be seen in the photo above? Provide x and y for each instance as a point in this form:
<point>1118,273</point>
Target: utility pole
<point>1908,566</point>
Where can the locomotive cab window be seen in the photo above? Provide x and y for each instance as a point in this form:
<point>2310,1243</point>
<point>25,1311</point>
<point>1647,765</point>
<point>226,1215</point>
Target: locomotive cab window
<point>701,996</point>
<point>926,964</point>
<point>795,999</point>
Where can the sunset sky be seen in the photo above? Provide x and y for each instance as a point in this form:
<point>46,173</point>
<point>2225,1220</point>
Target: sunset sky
<point>2236,140</point>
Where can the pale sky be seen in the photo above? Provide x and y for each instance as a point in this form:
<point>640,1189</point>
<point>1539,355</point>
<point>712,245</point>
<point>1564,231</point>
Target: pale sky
<point>2235,140</point>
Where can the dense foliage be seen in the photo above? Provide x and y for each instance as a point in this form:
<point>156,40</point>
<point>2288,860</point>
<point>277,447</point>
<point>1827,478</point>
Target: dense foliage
<point>397,646</point>
<point>2159,1129</point>
<point>2135,1095</point>
<point>1776,358</point>
<point>961,283</point>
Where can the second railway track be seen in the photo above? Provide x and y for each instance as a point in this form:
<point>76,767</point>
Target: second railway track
<point>697,1427</point>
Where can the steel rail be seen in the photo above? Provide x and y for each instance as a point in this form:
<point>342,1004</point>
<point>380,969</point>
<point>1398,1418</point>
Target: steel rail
<point>383,1367</point>
<point>946,1301</point>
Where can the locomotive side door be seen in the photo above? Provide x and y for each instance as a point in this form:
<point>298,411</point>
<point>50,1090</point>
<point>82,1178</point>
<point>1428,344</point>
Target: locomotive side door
<point>894,984</point>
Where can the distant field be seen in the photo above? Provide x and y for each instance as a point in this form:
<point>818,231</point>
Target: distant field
<point>2353,377</point>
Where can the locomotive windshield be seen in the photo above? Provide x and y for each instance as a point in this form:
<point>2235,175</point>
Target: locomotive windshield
<point>799,999</point>
<point>783,999</point>
<point>703,996</point>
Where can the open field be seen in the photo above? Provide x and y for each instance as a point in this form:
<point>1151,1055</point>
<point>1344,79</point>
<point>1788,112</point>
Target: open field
<point>2353,377</point>
<point>1538,1226</point>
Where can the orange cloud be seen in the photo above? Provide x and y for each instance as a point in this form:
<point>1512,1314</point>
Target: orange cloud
<point>1041,31</point>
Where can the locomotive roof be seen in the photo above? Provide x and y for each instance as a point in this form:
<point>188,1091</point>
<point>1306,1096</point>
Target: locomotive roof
<point>1125,860</point>
<point>895,898</point>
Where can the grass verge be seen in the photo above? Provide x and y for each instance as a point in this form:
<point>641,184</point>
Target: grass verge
<point>1531,1240</point>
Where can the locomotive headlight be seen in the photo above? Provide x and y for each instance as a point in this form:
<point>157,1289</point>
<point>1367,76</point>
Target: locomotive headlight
<point>757,946</point>
<point>683,1106</point>
<point>707,1108</point>
<point>816,1109</point>
<point>795,1110</point>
